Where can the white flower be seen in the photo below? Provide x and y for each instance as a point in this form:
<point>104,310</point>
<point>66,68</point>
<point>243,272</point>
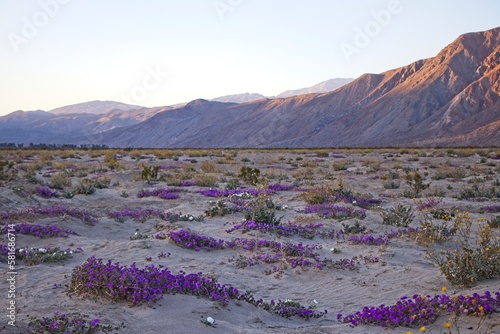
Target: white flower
<point>191,218</point>
<point>315,301</point>
<point>42,250</point>
<point>354,202</point>
<point>332,249</point>
<point>210,320</point>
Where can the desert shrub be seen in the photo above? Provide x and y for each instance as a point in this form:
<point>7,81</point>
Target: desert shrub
<point>59,181</point>
<point>448,172</point>
<point>207,167</point>
<point>479,191</point>
<point>354,229</point>
<point>472,259</point>
<point>233,184</point>
<point>263,210</point>
<point>442,214</point>
<point>390,175</point>
<point>303,174</point>
<point>494,222</point>
<point>250,175</point>
<point>150,173</point>
<point>398,216</point>
<point>391,184</point>
<point>206,180</point>
<point>338,166</point>
<point>416,183</point>
<point>84,187</point>
<point>431,231</point>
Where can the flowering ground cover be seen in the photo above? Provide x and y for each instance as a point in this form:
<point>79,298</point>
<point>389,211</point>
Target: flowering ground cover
<point>296,241</point>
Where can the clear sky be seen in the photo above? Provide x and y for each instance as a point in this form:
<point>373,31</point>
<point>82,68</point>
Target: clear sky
<point>161,52</point>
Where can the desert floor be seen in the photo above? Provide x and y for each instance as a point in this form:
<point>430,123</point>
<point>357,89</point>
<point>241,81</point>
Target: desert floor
<point>399,268</point>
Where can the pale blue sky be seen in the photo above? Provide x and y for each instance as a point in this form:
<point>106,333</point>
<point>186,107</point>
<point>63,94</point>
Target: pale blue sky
<point>162,52</point>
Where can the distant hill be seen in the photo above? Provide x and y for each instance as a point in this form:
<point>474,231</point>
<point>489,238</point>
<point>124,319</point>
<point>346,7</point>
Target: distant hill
<point>322,87</point>
<point>94,107</point>
<point>239,98</point>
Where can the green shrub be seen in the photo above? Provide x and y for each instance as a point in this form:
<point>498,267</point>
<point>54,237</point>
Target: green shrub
<point>249,175</point>
<point>398,216</point>
<point>150,173</point>
<point>59,181</point>
<point>263,210</point>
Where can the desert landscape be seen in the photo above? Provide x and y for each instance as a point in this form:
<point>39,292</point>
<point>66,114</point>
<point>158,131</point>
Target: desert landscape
<point>250,241</point>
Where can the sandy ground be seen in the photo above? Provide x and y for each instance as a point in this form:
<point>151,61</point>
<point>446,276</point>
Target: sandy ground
<point>403,268</point>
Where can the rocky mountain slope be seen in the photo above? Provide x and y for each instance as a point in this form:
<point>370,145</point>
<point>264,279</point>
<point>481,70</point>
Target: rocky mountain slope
<point>450,99</point>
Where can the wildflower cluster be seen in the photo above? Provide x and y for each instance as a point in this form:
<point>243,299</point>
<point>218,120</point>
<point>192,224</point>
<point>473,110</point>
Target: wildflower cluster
<point>67,323</point>
<point>33,256</point>
<point>243,193</point>
<point>41,231</point>
<point>330,210</point>
<point>381,240</point>
<point>166,193</point>
<point>306,231</point>
<point>423,310</point>
<point>429,203</point>
<point>495,208</point>
<point>442,214</point>
<point>45,192</point>
<point>187,239</point>
<point>98,279</point>
<point>369,240</point>
<point>51,211</point>
<point>227,206</point>
<point>142,215</point>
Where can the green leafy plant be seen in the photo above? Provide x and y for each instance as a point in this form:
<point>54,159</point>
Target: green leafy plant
<point>398,216</point>
<point>263,210</point>
<point>150,173</point>
<point>249,175</point>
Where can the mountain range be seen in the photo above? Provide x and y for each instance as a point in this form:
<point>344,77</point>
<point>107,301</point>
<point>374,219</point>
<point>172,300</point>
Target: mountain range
<point>452,99</point>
